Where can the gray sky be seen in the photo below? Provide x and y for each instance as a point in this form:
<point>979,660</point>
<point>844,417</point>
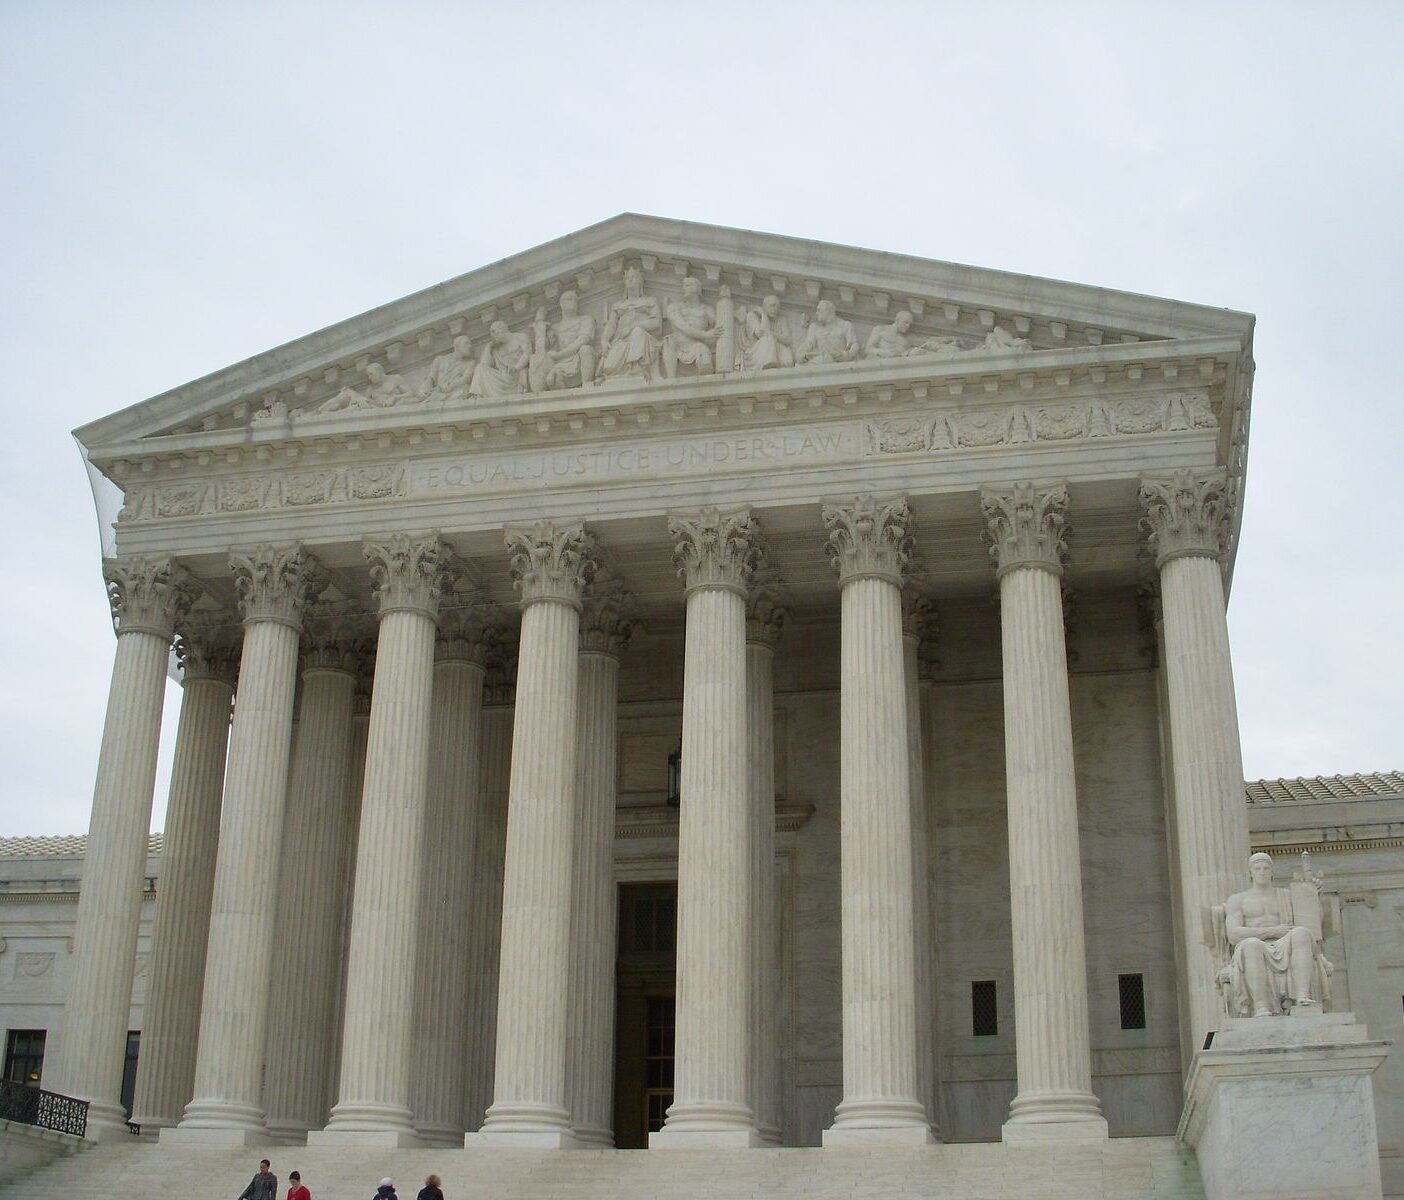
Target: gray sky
<point>186,185</point>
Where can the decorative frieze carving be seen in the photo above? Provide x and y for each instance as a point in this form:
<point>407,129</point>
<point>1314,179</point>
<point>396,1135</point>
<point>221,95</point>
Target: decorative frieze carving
<point>207,645</point>
<point>870,537</point>
<point>150,595</point>
<point>1026,526</point>
<point>1187,512</point>
<point>276,583</point>
<point>715,547</point>
<point>410,572</point>
<point>607,617</point>
<point>551,561</point>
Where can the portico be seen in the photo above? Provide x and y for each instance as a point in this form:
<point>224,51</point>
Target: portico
<point>545,588</point>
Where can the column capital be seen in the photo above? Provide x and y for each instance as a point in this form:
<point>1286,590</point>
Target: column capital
<point>918,615</point>
<point>607,617</point>
<point>551,561</point>
<point>148,594</point>
<point>765,616</point>
<point>335,638</point>
<point>1026,526</point>
<point>1187,513</point>
<point>467,629</point>
<point>275,583</point>
<point>410,572</point>
<point>715,548</point>
<point>870,537</point>
<point>207,645</point>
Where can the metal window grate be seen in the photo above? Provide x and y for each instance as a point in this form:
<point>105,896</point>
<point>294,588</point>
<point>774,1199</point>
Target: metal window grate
<point>1131,990</point>
<point>984,1008</point>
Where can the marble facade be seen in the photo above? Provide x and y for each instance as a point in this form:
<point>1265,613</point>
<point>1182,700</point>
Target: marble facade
<point>496,549</point>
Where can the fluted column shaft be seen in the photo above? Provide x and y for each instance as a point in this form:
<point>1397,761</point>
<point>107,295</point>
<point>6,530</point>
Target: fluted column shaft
<point>171,1023</point>
<point>409,575</point>
<point>274,585</point>
<point>594,906</point>
<point>442,1034</point>
<point>147,595</point>
<point>317,829</point>
<point>551,564</point>
<point>1187,515</point>
<point>1052,1043</point>
<point>869,542</point>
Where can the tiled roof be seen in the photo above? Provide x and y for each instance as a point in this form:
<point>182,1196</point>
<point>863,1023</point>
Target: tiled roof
<point>70,845</point>
<point>1324,787</point>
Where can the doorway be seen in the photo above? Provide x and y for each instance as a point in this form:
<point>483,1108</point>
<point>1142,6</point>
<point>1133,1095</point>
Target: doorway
<point>645,970</point>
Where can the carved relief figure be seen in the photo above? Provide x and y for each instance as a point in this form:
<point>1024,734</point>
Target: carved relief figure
<point>1272,939</point>
<point>503,368</point>
<point>451,373</point>
<point>693,333</point>
<point>1001,340</point>
<point>767,339</point>
<point>631,333</point>
<point>383,391</point>
<point>565,354</point>
<point>829,339</point>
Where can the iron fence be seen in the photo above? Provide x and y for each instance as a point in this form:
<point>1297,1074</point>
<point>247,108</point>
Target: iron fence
<point>47,1110</point>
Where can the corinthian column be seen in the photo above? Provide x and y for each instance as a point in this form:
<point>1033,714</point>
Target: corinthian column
<point>1025,526</point>
<point>1187,516</point>
<point>207,651</point>
<point>551,564</point>
<point>148,596</point>
<point>442,1035</point>
<point>409,576</point>
<point>716,553</point>
<point>870,544</point>
<point>274,584</point>
<point>317,831</point>
<point>605,627</point>
<point>764,621</point>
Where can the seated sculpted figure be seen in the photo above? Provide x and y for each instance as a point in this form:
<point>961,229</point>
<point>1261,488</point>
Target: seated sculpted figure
<point>1276,962</point>
<point>693,332</point>
<point>383,391</point>
<point>451,373</point>
<point>895,340</point>
<point>503,367</point>
<point>767,340</point>
<point>631,333</point>
<point>1000,339</point>
<point>829,338</point>
<point>565,353</point>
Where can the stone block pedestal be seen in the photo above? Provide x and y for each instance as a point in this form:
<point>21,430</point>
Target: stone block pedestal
<point>188,1135</point>
<point>371,1139</point>
<point>1284,1106</point>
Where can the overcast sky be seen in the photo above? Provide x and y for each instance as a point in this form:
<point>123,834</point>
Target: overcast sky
<point>186,185</point>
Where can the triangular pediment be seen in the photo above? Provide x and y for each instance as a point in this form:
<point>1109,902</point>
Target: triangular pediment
<point>403,353</point>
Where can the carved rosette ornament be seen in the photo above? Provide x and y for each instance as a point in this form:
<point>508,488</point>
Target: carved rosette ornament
<point>870,538</point>
<point>467,630</point>
<point>1187,513</point>
<point>607,618</point>
<point>335,638</point>
<point>716,548</point>
<point>410,572</point>
<point>148,595</point>
<point>1026,526</point>
<point>276,583</point>
<point>550,561</point>
<point>207,646</point>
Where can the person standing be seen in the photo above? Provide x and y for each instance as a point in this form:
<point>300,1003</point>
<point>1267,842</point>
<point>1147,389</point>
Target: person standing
<point>263,1186</point>
<point>386,1191</point>
<point>431,1189</point>
<point>296,1189</point>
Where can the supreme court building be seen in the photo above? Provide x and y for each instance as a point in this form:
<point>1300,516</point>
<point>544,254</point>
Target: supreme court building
<point>689,687</point>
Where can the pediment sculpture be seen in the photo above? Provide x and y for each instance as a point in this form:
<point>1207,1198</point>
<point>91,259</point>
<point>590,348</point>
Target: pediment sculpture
<point>640,337</point>
<point>1269,944</point>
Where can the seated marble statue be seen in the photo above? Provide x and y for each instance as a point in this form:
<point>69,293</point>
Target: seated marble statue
<point>1001,340</point>
<point>631,333</point>
<point>565,353</point>
<point>383,391</point>
<point>767,340</point>
<point>1273,935</point>
<point>451,373</point>
<point>829,338</point>
<point>502,370</point>
<point>693,333</point>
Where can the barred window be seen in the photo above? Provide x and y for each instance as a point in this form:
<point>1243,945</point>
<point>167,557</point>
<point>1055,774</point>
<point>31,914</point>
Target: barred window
<point>984,1008</point>
<point>1131,990</point>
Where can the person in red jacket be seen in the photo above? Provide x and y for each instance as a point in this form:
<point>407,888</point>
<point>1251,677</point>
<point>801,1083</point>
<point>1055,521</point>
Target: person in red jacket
<point>296,1191</point>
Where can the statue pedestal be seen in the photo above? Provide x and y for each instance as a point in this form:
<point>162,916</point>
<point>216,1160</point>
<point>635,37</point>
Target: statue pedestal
<point>1284,1107</point>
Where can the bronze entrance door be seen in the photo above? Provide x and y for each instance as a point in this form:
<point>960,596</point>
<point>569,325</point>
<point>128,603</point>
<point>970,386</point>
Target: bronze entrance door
<point>643,1064</point>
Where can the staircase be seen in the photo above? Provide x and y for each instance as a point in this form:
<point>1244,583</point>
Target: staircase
<point>1121,1169</point>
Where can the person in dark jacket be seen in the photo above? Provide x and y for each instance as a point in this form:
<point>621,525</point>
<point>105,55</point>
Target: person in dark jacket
<point>263,1186</point>
<point>386,1191</point>
<point>431,1189</point>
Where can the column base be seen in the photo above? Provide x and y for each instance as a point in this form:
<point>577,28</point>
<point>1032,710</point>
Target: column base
<point>195,1135</point>
<point>106,1123</point>
<point>529,1126</point>
<point>371,1139</point>
<point>840,1136</point>
<point>596,1139</point>
<point>436,1136</point>
<point>1041,1117</point>
<point>879,1123</point>
<point>1043,1133</point>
